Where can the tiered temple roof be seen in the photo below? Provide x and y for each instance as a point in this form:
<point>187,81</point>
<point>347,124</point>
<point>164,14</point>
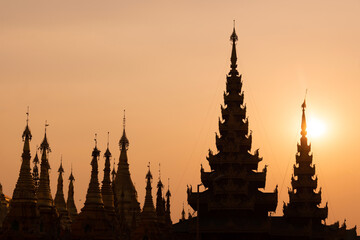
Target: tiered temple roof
<point>234,182</point>
<point>304,199</point>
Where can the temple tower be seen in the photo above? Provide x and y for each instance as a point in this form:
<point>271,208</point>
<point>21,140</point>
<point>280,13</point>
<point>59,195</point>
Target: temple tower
<point>49,217</point>
<point>106,189</point>
<point>93,222</point>
<point>65,221</point>
<point>148,211</point>
<point>160,201</point>
<point>23,219</point>
<point>303,207</point>
<point>150,226</point>
<point>124,184</point>
<point>167,209</point>
<point>70,203</point>
<point>233,202</point>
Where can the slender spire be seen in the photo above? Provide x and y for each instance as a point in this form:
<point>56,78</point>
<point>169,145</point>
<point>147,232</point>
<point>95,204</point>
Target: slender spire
<point>106,190</point>
<point>148,209</point>
<point>23,210</point>
<point>70,203</point>
<point>160,202</point>
<point>124,142</point>
<point>233,39</point>
<point>59,197</point>
<point>25,188</point>
<point>93,196</point>
<point>60,201</point>
<point>167,209</point>
<point>303,120</point>
<point>44,192</point>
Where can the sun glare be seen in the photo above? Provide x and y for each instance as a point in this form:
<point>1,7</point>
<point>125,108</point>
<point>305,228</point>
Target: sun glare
<point>315,128</point>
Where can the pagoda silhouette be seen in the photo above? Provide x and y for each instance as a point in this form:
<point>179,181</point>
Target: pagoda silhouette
<point>233,204</point>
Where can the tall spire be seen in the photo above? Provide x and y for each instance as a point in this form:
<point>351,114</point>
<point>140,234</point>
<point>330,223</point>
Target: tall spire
<point>148,211</point>
<point>303,206</point>
<point>167,209</point>
<point>124,142</point>
<point>106,190</point>
<point>303,120</point>
<point>124,184</point>
<point>23,215</point>
<point>97,223</point>
<point>233,39</point>
<point>160,201</point>
<point>44,192</point>
<point>93,196</point>
<point>60,201</point>
<point>70,203</point>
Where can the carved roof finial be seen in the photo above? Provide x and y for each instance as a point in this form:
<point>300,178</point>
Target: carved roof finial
<point>95,139</point>
<point>124,119</point>
<point>61,169</point>
<point>27,116</point>
<point>108,136</point>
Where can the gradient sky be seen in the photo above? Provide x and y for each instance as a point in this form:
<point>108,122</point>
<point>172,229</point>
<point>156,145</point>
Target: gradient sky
<point>78,64</point>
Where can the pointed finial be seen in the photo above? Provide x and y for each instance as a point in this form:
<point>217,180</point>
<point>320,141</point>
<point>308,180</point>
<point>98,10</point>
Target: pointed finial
<point>233,36</point>
<point>108,140</point>
<point>46,125</point>
<point>27,116</point>
<point>61,169</point>
<point>95,139</point>
<point>124,120</point>
<point>159,172</point>
<point>304,103</point>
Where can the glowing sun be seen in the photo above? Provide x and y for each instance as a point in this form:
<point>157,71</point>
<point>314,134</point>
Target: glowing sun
<point>315,127</point>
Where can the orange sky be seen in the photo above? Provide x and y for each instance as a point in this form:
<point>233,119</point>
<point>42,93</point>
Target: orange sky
<point>78,64</point>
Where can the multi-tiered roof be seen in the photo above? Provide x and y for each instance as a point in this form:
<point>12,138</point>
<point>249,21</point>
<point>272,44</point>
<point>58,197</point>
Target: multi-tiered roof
<point>304,199</point>
<point>234,182</point>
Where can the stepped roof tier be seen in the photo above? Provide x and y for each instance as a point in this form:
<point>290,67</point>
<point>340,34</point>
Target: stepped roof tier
<point>23,219</point>
<point>93,222</point>
<point>124,185</point>
<point>233,201</point>
<point>304,199</point>
<point>234,182</point>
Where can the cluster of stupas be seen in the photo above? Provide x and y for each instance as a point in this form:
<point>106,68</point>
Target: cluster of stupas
<point>232,206</point>
<point>111,211</point>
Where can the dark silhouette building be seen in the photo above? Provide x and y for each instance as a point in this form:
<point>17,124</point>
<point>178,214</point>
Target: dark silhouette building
<point>232,206</point>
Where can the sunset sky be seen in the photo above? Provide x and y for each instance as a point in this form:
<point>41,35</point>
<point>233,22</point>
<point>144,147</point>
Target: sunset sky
<point>79,64</point>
